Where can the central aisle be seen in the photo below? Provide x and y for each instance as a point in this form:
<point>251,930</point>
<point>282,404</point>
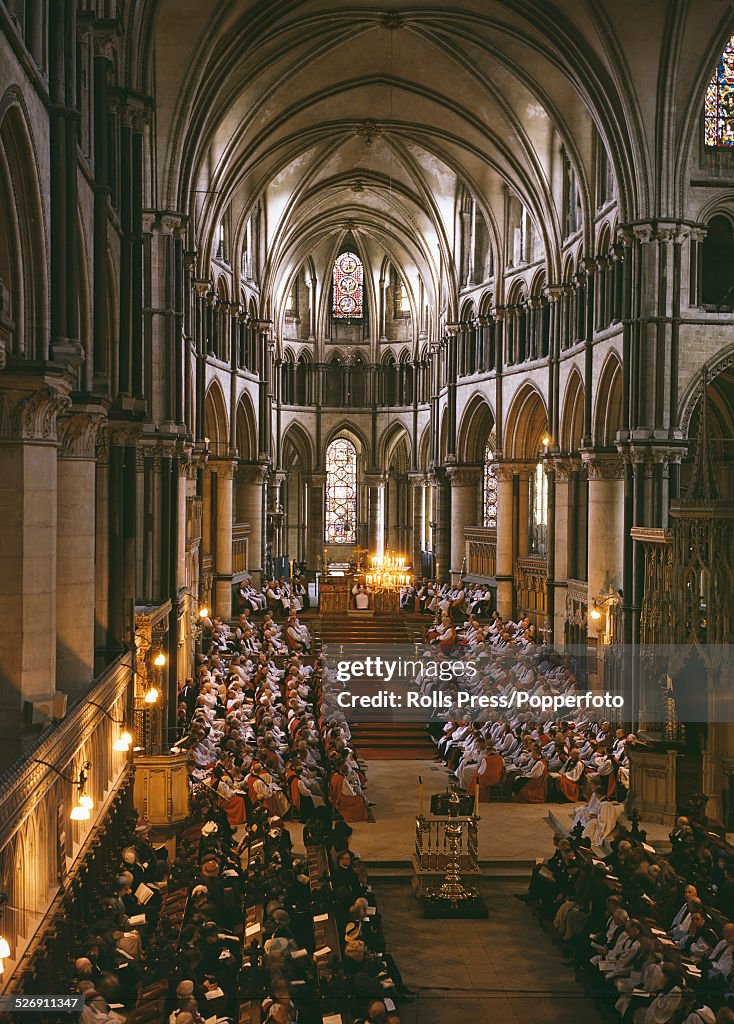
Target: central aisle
<point>503,970</point>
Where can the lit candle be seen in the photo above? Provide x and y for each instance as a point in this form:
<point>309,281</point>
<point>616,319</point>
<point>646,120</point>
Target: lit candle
<point>476,799</point>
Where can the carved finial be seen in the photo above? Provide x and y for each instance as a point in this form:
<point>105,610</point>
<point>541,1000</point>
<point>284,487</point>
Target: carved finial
<point>703,487</point>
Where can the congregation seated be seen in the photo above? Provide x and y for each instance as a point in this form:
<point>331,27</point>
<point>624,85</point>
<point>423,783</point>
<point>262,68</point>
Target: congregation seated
<point>640,938</point>
<point>567,760</point>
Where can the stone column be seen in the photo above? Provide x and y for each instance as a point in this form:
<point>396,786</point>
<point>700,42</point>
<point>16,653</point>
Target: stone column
<point>224,471</point>
<point>465,482</point>
<point>75,538</point>
<point>418,482</point>
<point>102,542</point>
<point>442,521</point>
<point>249,482</point>
<point>523,512</point>
<point>374,484</point>
<point>563,467</point>
<point>505,530</point>
<point>27,553</point>
<point>606,527</point>
<point>316,521</point>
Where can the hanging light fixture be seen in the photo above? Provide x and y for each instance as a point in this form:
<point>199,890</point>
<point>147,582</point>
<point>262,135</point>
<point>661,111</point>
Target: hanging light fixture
<point>160,659</point>
<point>80,813</point>
<point>387,572</point>
<point>151,695</point>
<point>84,804</point>
<point>4,949</point>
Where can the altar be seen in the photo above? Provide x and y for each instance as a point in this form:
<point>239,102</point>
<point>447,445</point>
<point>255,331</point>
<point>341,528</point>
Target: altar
<point>335,593</point>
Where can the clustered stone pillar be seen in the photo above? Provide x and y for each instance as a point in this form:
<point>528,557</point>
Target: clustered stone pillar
<point>222,472</point>
<point>523,511</point>
<point>316,521</point>
<point>250,479</point>
<point>418,481</point>
<point>75,559</point>
<point>465,482</point>
<point>563,467</point>
<point>606,527</point>
<point>442,522</point>
<point>374,483</point>
<point>505,529</point>
<point>28,554</point>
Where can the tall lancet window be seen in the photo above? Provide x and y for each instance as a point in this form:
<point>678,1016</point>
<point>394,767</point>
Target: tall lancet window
<point>341,493</point>
<point>348,276</point>
<point>489,489</point>
<point>719,108</point>
<point>539,511</point>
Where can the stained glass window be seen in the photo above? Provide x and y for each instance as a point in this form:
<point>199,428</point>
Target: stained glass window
<point>341,492</point>
<point>489,490</point>
<point>719,109</point>
<point>348,286</point>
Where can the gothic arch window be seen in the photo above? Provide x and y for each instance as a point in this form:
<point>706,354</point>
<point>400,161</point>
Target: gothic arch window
<point>340,524</point>
<point>719,105</point>
<point>348,280</point>
<point>489,489</point>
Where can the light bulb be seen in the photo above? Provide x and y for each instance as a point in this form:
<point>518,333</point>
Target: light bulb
<point>595,613</point>
<point>86,801</point>
<point>546,440</point>
<point>151,695</point>
<point>203,613</point>
<point>160,659</point>
<point>80,813</point>
<point>4,949</point>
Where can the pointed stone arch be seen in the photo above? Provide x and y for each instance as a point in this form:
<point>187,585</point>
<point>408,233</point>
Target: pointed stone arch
<point>527,422</point>
<point>477,423</point>
<point>394,438</point>
<point>216,419</point>
<point>23,264</point>
<point>608,409</point>
<point>246,429</point>
<point>296,445</point>
<point>572,418</point>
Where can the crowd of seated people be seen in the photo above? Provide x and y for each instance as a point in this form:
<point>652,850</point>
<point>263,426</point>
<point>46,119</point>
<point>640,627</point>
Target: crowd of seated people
<point>525,754</point>
<point>240,930</point>
<point>650,937</point>
<point>281,597</point>
<point>261,727</point>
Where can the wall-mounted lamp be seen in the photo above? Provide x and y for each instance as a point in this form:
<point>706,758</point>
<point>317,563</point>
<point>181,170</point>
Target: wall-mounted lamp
<point>84,804</point>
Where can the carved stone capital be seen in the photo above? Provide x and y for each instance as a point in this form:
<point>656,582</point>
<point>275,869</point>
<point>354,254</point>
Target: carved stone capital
<point>564,465</point>
<point>31,415</point>
<point>224,468</point>
<point>251,473</point>
<point>603,465</point>
<point>505,471</point>
<point>78,433</point>
<point>123,433</point>
<point>464,475</point>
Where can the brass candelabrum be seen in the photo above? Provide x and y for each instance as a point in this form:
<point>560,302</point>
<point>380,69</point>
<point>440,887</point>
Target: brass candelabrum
<point>452,890</point>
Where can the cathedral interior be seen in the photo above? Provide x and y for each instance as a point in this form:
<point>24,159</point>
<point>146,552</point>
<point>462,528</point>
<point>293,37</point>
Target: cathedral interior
<point>285,287</point>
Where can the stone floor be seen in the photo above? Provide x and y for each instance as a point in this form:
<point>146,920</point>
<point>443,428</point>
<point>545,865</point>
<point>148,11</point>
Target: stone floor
<point>507,832</point>
<point>503,970</point>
